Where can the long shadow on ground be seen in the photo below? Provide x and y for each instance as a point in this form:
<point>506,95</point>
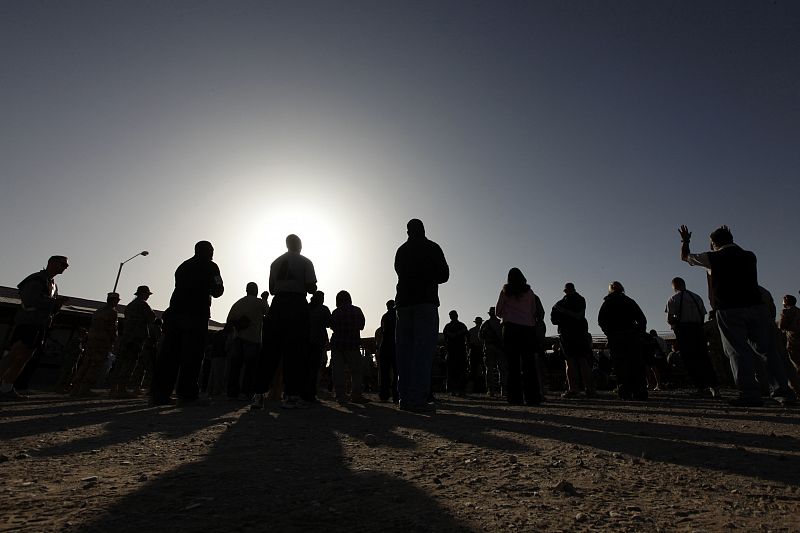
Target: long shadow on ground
<point>288,471</point>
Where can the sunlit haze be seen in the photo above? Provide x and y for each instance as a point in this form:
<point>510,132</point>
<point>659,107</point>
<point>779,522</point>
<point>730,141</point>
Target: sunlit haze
<point>569,139</point>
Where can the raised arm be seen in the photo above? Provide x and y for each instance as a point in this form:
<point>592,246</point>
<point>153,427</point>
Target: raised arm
<point>686,236</point>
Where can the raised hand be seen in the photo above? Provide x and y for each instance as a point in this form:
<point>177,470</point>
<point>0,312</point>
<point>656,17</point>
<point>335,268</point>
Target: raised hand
<point>686,235</point>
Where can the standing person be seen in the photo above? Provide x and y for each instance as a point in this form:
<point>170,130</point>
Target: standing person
<point>387,360</point>
<point>743,319</point>
<point>421,267</point>
<point>625,326</point>
<point>516,305</point>
<point>455,338</point>
<point>101,337</point>
<point>686,315</point>
<point>491,334</point>
<point>347,321</point>
<point>291,277</point>
<point>319,322</point>
<point>72,360</point>
<point>569,314</point>
<point>221,346</point>
<point>39,303</point>
<point>136,329</point>
<point>247,318</point>
<point>790,324</point>
<point>197,280</point>
<point>778,345</point>
<point>475,358</point>
<point>654,351</point>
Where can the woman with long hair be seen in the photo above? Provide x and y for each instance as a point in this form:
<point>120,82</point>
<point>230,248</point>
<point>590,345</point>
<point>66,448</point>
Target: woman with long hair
<point>516,306</point>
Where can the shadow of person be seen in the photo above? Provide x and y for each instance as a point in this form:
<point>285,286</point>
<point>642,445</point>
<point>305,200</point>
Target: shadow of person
<point>309,470</point>
<point>748,454</point>
<point>121,421</point>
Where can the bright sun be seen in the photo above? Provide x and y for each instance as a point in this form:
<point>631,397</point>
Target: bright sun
<point>319,231</point>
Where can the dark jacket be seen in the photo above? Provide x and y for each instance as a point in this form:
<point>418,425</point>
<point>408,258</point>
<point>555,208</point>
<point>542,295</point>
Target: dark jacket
<point>620,313</point>
<point>569,315</point>
<point>38,294</point>
<point>139,316</point>
<point>388,327</point>
<point>420,267</point>
<point>734,278</point>
<point>196,281</point>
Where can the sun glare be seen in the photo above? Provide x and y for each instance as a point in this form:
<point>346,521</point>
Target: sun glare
<point>319,231</point>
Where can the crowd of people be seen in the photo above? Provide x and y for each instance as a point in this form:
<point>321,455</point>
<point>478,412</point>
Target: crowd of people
<point>279,350</point>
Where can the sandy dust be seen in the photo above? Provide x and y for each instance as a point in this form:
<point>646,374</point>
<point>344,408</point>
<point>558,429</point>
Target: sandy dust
<point>671,464</point>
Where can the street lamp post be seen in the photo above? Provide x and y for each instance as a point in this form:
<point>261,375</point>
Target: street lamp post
<point>143,253</point>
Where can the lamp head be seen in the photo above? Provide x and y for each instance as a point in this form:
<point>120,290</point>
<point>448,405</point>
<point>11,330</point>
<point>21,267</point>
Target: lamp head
<point>145,252</point>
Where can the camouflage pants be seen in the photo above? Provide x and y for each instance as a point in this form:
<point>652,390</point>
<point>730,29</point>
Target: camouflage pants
<point>125,362</point>
<point>91,366</point>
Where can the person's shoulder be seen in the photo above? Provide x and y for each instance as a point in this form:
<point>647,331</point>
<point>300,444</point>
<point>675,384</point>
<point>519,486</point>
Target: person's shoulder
<point>433,245</point>
<point>280,258</point>
<point>40,276</point>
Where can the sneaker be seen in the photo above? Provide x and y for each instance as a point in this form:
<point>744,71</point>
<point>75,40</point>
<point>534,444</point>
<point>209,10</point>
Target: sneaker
<point>258,402</point>
<point>569,394</point>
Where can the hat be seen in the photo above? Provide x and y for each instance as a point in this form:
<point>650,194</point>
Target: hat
<point>143,289</point>
<point>112,296</point>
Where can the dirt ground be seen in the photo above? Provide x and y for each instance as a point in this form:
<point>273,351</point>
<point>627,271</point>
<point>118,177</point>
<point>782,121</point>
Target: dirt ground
<point>671,464</point>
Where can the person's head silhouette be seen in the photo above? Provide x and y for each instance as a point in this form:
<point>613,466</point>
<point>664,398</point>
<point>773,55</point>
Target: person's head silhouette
<point>293,243</point>
<point>204,250</point>
<point>415,228</point>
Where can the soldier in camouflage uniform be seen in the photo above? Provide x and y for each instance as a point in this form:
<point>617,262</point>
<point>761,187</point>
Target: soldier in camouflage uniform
<point>138,318</point>
<point>40,302</point>
<point>102,334</point>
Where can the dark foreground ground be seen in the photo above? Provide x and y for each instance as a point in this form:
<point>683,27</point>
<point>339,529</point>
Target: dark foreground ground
<point>671,464</point>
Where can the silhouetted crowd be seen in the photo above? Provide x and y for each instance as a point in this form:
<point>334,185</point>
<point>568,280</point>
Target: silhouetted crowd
<point>278,350</point>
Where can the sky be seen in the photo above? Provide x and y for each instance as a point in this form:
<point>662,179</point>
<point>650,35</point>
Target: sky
<point>567,138</point>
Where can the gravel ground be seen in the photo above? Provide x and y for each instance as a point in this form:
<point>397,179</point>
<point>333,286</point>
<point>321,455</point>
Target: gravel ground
<point>671,464</point>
